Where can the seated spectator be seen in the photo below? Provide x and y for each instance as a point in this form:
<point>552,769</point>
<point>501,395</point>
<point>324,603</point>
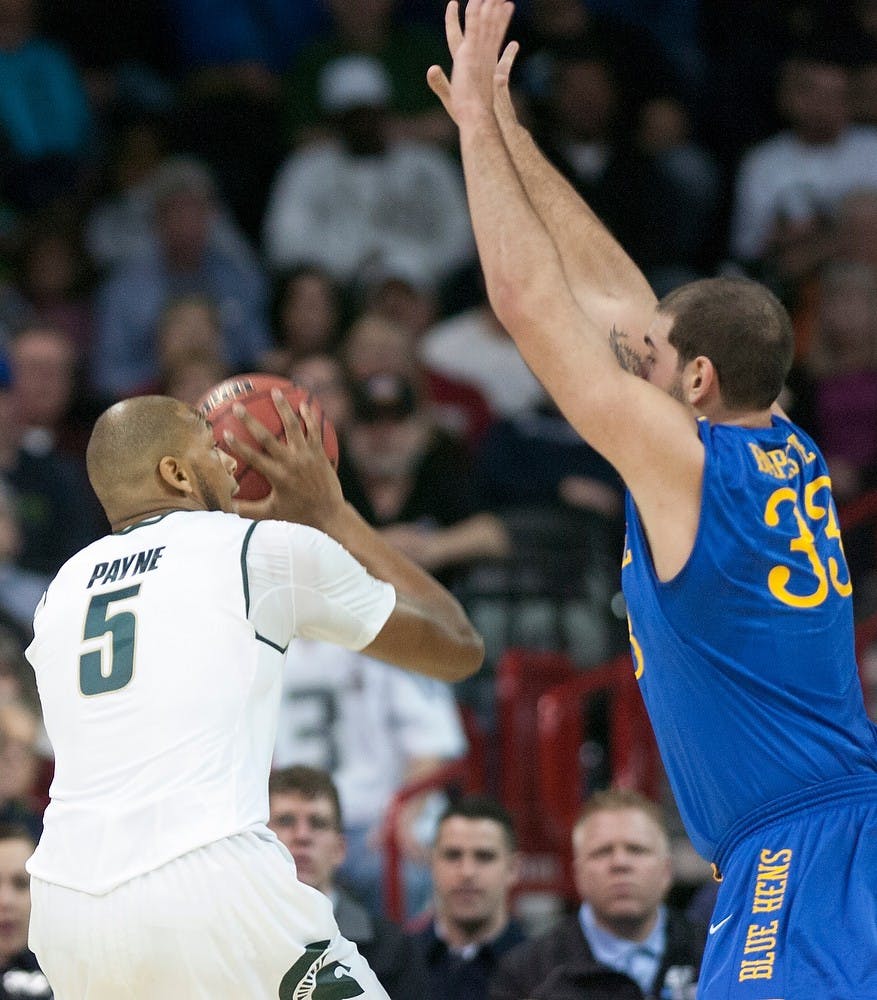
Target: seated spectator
<point>788,187</point>
<point>119,225</point>
<point>44,115</point>
<point>472,347</point>
<point>475,865</point>
<point>20,731</point>
<point>306,816</point>
<point>640,176</point>
<point>843,361</point>
<point>17,681</point>
<point>324,377</point>
<point>374,728</point>
<point>54,278</point>
<point>305,316</point>
<point>20,589</point>
<point>50,403</point>
<point>188,259</point>
<point>624,941</point>
<point>56,508</point>
<point>362,196</point>
<point>413,480</point>
<point>537,458</point>
<point>376,344</point>
<point>20,976</point>
<point>392,291</point>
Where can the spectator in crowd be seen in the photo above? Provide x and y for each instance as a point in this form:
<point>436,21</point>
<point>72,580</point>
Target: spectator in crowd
<point>374,728</point>
<point>188,259</point>
<point>306,816</point>
<point>44,116</point>
<point>17,682</point>
<point>54,278</point>
<point>46,390</point>
<point>843,361</point>
<point>20,589</point>
<point>623,942</point>
<point>55,506</point>
<point>475,865</point>
<point>472,347</point>
<point>324,377</point>
<point>189,348</point>
<point>306,316</point>
<point>788,187</point>
<point>413,480</point>
<point>371,28</point>
<point>557,28</point>
<point>377,344</point>
<point>362,196</point>
<point>119,226</point>
<point>641,176</point>
<point>20,731</point>
<point>392,290</point>
<point>20,975</point>
<point>535,458</point>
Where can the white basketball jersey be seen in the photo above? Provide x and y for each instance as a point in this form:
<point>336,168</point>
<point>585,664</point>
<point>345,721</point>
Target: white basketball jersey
<point>158,655</point>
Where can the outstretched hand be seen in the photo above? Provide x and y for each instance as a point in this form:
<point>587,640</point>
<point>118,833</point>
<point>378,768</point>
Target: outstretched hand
<point>304,486</point>
<point>477,77</point>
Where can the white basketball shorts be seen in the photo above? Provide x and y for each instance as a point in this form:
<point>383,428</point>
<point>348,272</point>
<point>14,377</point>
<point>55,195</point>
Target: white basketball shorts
<point>228,921</point>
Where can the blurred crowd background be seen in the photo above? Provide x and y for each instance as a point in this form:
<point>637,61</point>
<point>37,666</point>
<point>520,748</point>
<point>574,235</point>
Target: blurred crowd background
<point>196,188</point>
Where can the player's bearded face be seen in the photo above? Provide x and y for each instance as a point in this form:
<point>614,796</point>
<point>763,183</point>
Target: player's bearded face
<point>209,495</point>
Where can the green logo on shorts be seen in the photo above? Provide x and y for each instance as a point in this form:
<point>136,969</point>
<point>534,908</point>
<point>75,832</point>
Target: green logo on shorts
<point>311,978</point>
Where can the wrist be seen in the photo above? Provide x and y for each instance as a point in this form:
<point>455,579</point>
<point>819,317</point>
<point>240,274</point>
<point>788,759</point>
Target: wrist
<point>338,520</point>
<point>475,116</point>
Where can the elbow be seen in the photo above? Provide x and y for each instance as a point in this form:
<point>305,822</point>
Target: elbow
<point>516,301</point>
<point>469,659</point>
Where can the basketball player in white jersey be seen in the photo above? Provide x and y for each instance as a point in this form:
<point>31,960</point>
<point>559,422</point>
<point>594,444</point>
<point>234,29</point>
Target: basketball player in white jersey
<point>158,653</point>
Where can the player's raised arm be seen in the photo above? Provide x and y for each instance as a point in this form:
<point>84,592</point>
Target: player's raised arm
<point>428,631</point>
<point>649,437</point>
<point>603,279</point>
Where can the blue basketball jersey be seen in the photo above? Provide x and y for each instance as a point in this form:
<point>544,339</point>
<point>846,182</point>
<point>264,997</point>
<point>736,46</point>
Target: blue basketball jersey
<point>745,658</point>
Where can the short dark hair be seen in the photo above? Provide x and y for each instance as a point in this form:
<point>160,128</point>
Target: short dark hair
<point>482,807</point>
<point>742,327</point>
<point>309,783</point>
<point>16,831</point>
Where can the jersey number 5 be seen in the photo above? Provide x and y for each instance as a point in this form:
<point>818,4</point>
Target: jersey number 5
<point>96,676</point>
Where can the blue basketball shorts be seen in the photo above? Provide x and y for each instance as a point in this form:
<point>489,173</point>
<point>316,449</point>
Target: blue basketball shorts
<point>796,913</point>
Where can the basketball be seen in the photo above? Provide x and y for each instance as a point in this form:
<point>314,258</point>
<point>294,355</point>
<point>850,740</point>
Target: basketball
<point>253,392</point>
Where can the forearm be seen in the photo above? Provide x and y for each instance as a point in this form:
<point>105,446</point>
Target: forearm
<point>482,536</point>
<point>600,274</point>
<point>434,635</point>
<point>511,236</point>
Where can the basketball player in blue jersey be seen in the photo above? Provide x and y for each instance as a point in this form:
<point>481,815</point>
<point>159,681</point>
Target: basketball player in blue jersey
<point>733,570</point>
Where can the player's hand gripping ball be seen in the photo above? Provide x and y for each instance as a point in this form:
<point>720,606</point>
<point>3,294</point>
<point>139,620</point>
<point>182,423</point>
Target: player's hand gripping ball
<point>253,392</point>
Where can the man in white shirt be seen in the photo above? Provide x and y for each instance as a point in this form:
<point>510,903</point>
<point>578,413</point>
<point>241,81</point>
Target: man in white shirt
<point>157,652</point>
<point>788,187</point>
<point>362,197</point>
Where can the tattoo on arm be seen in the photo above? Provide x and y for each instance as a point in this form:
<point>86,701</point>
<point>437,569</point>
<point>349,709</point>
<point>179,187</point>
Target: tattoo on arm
<point>627,357</point>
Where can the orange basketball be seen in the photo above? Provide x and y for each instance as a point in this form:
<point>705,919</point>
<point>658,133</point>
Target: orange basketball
<point>253,392</point>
